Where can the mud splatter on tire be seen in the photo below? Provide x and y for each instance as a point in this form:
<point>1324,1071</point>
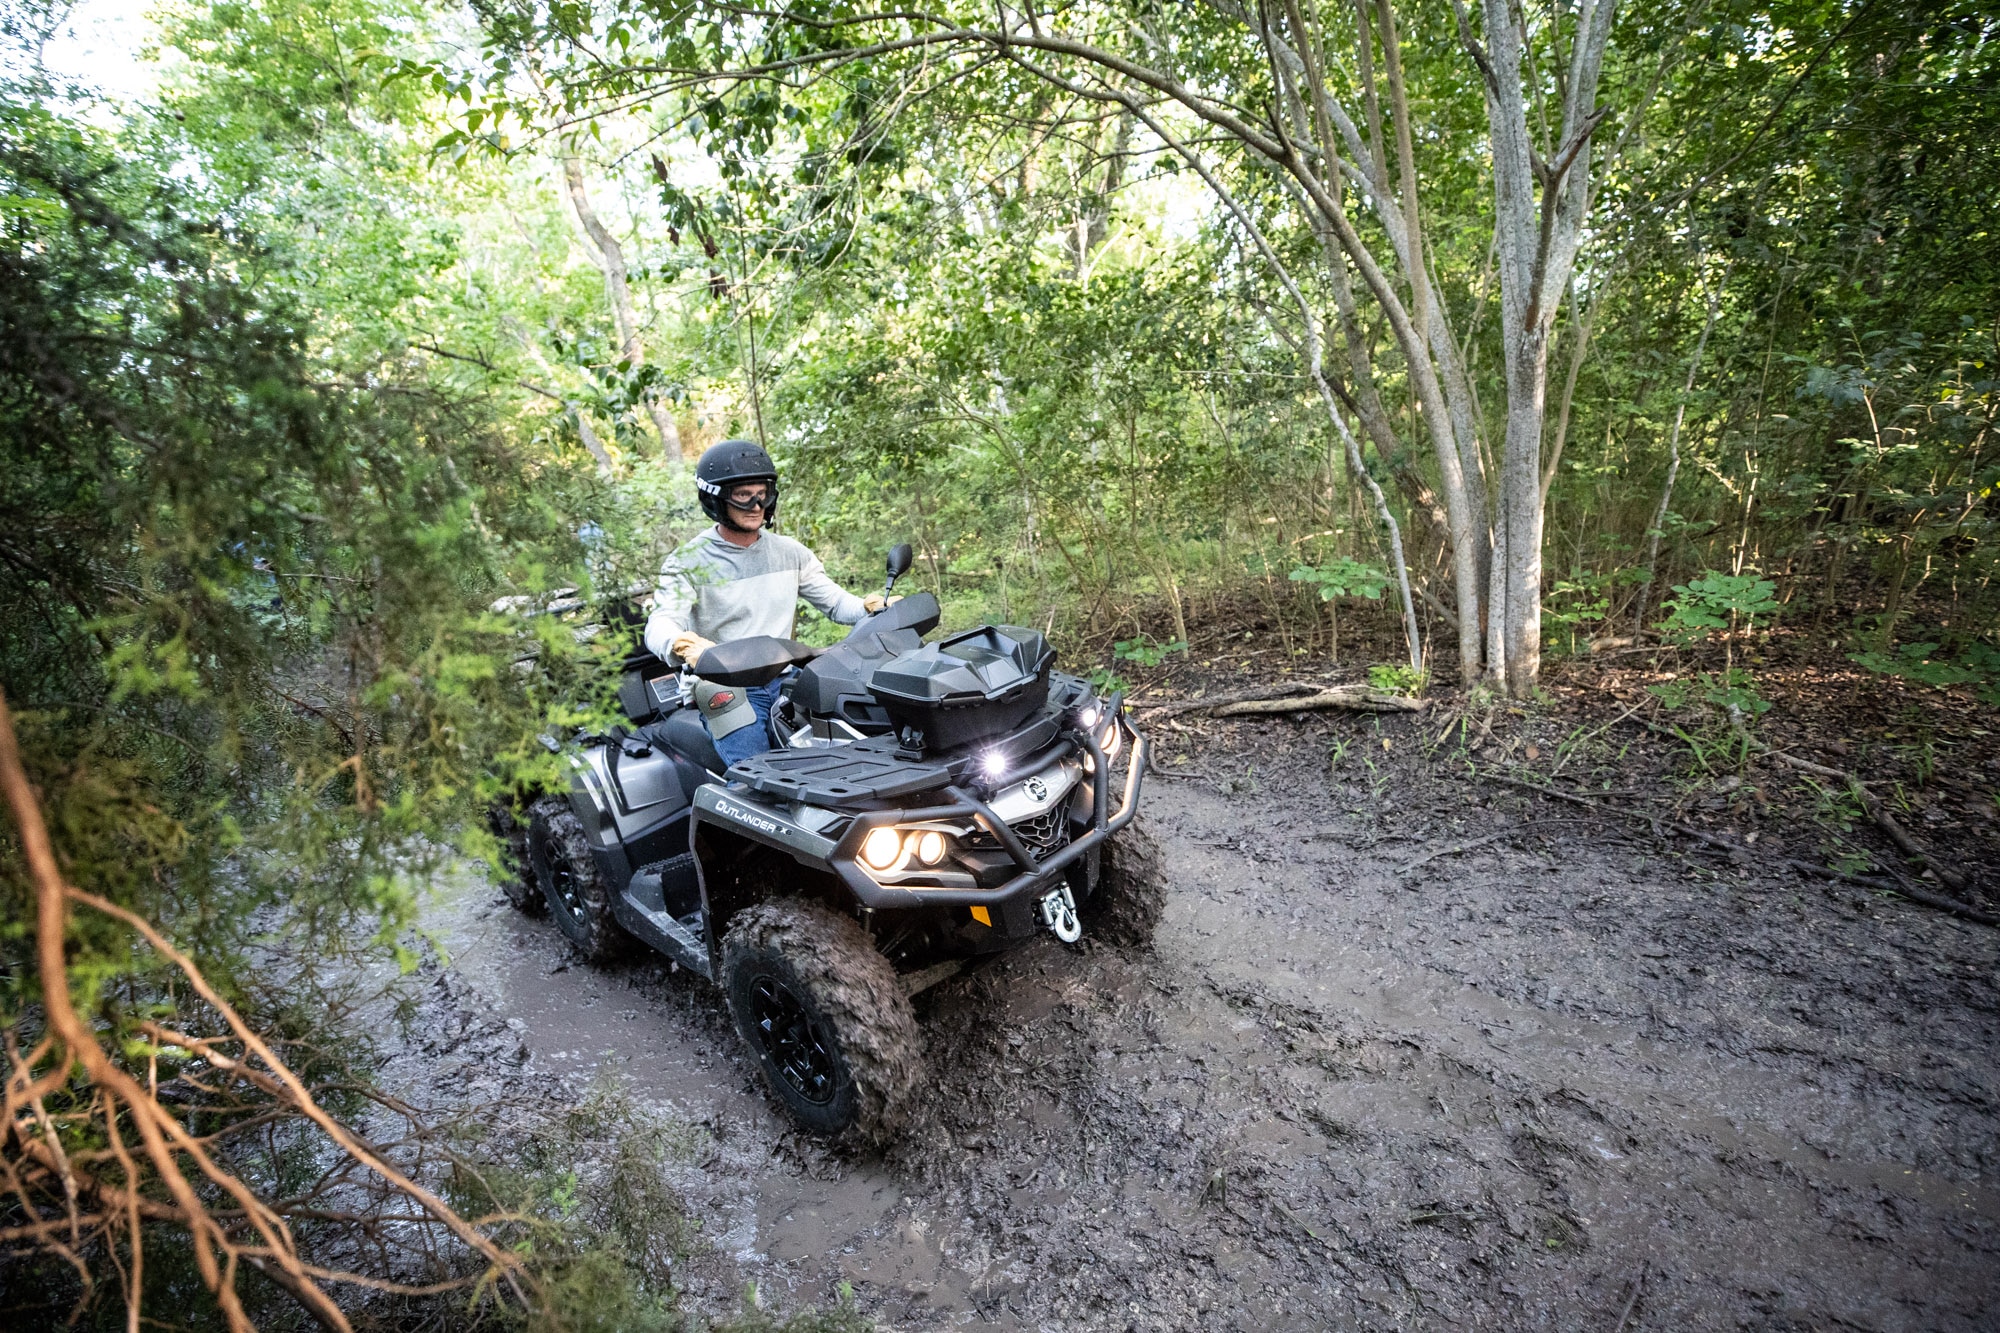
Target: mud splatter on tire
<point>515,875</point>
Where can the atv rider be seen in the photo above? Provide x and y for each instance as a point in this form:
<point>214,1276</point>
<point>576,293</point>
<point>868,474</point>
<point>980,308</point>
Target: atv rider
<point>737,580</point>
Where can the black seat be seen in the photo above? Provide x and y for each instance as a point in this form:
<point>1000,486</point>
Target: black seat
<point>683,733</point>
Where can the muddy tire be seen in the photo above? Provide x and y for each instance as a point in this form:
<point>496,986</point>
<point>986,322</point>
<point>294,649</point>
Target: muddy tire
<point>824,1017</point>
<point>1131,889</point>
<point>513,873</point>
<point>576,895</point>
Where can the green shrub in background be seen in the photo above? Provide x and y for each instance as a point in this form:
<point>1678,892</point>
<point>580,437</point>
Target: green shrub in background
<point>1342,577</point>
<point>1976,665</point>
<point>1718,601</point>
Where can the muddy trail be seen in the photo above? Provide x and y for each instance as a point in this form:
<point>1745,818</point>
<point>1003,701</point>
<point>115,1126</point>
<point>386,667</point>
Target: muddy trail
<point>1565,1078</point>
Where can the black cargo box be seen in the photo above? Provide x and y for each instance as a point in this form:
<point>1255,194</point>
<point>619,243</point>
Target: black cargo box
<point>965,688</point>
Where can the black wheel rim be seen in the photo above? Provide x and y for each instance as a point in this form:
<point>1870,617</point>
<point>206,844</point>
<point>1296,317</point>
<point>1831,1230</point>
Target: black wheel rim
<point>569,894</point>
<point>793,1041</point>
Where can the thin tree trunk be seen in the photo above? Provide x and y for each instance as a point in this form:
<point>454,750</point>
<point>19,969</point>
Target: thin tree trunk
<point>590,440</point>
<point>1537,236</point>
<point>1582,323</point>
<point>610,257</point>
<point>1640,603</point>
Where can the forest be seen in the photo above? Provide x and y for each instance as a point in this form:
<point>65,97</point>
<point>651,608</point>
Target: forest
<point>1528,471</point>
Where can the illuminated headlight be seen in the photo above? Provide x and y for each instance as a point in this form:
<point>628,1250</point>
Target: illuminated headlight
<point>993,765</point>
<point>1088,718</point>
<point>882,848</point>
<point>930,846</point>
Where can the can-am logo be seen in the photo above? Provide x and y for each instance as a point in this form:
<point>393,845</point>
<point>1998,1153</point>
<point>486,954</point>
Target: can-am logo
<point>1038,790</point>
<point>721,699</point>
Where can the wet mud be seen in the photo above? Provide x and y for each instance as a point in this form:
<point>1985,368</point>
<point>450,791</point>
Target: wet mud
<point>1564,1079</point>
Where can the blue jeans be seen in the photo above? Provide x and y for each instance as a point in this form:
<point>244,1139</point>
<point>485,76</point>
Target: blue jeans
<point>746,741</point>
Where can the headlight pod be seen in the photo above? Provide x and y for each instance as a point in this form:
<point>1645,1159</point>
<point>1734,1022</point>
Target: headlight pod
<point>1110,739</point>
<point>882,848</point>
<point>889,848</point>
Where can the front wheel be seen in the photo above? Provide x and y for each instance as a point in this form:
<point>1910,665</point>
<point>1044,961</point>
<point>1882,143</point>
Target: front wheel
<point>1131,889</point>
<point>576,894</point>
<point>824,1016</point>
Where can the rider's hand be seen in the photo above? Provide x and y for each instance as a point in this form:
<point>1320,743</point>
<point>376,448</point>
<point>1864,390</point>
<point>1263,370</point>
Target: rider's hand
<point>875,601</point>
<point>688,645</point>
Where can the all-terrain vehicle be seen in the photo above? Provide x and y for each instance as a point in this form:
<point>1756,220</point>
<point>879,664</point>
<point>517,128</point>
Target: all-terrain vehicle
<point>922,805</point>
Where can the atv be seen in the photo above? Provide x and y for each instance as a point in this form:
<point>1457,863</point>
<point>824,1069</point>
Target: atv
<point>922,806</point>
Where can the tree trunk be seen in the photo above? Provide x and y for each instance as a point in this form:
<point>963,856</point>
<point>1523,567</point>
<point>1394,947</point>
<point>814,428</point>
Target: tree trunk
<point>1537,237</point>
<point>610,257</point>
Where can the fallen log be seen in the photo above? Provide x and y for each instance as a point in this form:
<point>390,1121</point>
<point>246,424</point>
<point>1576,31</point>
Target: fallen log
<point>1208,701</point>
<point>1355,698</point>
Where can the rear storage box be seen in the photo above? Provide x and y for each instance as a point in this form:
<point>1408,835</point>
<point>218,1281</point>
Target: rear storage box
<point>965,688</point>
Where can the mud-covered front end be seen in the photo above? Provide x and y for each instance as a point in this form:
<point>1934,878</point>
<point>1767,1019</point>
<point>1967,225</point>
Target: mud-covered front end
<point>961,852</point>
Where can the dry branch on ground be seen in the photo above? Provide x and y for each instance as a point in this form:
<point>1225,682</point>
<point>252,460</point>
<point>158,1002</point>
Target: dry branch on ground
<point>93,1157</point>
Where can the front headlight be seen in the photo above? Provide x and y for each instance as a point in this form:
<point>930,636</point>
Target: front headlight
<point>1111,738</point>
<point>882,848</point>
<point>888,849</point>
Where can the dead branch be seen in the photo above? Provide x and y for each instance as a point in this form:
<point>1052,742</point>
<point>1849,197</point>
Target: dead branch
<point>257,1232</point>
<point>1297,697</point>
<point>1207,702</point>
<point>1951,877</point>
<point>1877,811</point>
<point>1355,698</point>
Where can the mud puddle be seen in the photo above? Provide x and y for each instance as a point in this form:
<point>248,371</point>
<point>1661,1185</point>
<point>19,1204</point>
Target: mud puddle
<point>1522,1087</point>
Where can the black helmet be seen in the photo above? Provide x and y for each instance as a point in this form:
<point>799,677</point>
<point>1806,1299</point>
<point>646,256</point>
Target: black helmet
<point>728,464</point>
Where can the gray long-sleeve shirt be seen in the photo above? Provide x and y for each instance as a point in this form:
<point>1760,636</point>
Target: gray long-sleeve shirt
<point>723,591</point>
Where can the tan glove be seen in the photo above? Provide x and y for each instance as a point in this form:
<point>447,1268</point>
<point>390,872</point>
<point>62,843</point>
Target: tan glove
<point>875,601</point>
<point>687,645</point>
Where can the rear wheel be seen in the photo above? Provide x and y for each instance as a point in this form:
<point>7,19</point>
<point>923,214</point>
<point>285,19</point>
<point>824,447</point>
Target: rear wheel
<point>513,873</point>
<point>1131,889</point>
<point>824,1016</point>
<point>577,896</point>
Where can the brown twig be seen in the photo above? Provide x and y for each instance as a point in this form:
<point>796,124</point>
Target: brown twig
<point>175,1154</point>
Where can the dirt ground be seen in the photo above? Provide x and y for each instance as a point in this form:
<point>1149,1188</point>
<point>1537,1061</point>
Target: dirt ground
<point>1566,1079</point>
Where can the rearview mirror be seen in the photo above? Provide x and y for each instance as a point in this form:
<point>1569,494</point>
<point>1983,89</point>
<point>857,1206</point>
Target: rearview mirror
<point>900,560</point>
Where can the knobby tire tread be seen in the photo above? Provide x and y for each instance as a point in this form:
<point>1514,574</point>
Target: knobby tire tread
<point>1131,888</point>
<point>514,872</point>
<point>856,989</point>
<point>599,938</point>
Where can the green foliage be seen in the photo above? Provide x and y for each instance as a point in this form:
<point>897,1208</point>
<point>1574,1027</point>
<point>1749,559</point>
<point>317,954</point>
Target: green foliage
<point>1730,691</point>
<point>1394,678</point>
<point>1146,652</point>
<point>1977,666</point>
<point>1342,577</point>
<point>1718,601</point>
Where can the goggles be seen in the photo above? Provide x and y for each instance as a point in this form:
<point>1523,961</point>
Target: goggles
<point>753,500</point>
